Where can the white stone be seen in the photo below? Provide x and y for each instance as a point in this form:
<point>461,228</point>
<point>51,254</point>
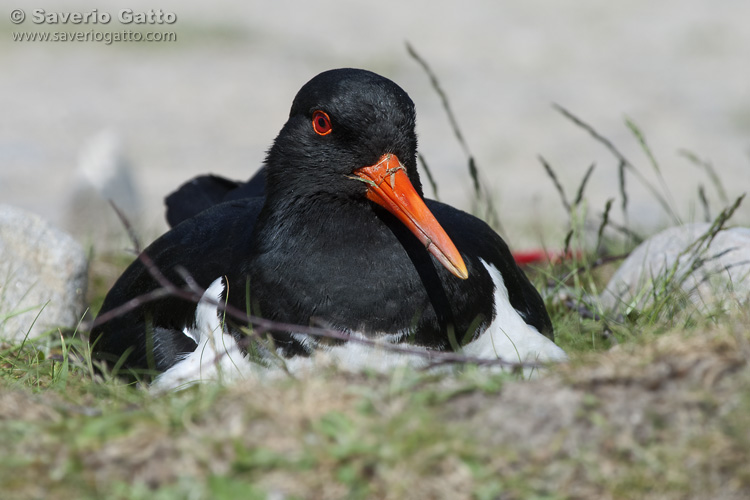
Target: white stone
<point>709,275</point>
<point>43,276</point>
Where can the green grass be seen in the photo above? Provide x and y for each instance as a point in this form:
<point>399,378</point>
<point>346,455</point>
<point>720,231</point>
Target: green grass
<point>662,415</point>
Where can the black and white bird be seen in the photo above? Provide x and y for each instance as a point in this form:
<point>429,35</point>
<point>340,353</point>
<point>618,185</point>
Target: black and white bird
<point>338,235</point>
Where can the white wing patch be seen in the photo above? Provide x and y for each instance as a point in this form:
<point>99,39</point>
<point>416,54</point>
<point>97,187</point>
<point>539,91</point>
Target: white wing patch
<point>509,337</point>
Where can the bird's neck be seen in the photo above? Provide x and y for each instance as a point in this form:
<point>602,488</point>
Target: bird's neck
<point>310,223</point>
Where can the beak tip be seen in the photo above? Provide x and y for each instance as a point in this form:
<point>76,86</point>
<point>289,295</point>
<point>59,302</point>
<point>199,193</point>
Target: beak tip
<point>456,266</point>
<point>462,272</point>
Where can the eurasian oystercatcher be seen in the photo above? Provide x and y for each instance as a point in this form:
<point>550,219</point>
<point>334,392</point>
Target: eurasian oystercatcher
<point>341,238</point>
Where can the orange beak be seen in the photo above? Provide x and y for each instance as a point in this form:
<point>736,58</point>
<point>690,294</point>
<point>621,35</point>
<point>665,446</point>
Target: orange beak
<point>391,189</point>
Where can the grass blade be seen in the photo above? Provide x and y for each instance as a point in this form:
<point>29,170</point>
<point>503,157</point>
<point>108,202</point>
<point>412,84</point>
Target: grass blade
<point>441,93</point>
<point>709,168</point>
<point>623,191</point>
<point>652,159</point>
<point>556,182</point>
<point>430,178</point>
<point>486,206</point>
<point>582,187</point>
<point>605,221</point>
<point>625,163</point>
<point>704,202</point>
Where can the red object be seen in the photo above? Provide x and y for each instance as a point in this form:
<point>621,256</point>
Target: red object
<point>524,257</point>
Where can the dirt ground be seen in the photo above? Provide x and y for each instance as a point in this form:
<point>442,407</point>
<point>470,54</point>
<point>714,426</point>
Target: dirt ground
<point>215,99</point>
<point>664,418</point>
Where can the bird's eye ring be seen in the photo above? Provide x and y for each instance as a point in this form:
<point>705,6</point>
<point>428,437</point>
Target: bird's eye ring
<point>321,123</point>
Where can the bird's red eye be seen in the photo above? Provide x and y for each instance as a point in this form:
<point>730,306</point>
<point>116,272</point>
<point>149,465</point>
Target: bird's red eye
<point>321,123</point>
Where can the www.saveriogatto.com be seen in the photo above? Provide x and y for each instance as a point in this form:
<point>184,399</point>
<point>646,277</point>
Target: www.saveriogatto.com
<point>68,26</point>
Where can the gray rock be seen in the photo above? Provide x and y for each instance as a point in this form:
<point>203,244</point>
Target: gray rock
<point>43,276</point>
<point>708,275</point>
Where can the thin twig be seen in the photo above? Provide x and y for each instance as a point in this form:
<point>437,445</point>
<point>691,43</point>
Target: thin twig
<point>128,227</point>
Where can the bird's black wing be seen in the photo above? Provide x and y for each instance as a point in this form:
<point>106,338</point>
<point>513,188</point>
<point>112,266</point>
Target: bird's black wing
<point>205,191</point>
<point>475,239</point>
<point>210,245</point>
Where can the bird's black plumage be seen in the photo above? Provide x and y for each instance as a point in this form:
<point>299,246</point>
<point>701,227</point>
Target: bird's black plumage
<point>205,246</point>
<point>312,248</point>
<point>205,191</point>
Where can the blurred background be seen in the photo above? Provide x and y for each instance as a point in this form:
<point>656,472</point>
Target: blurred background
<point>133,120</point>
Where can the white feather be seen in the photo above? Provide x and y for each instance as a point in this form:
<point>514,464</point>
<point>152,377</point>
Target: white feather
<point>509,337</point>
<point>217,357</point>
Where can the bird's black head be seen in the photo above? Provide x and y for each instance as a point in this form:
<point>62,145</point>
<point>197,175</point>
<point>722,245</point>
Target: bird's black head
<point>350,142</point>
<point>340,121</point>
